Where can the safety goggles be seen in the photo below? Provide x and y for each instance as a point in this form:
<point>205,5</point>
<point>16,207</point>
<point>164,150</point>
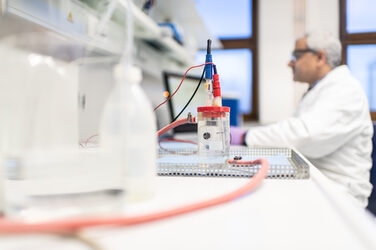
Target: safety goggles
<point>298,53</point>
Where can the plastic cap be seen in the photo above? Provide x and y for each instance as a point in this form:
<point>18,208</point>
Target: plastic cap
<point>213,109</point>
<point>127,73</point>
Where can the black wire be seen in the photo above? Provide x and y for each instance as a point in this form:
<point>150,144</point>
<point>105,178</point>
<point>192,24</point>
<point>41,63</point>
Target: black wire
<point>194,93</point>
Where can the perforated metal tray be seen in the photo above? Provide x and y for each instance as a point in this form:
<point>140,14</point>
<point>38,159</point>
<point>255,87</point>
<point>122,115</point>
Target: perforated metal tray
<point>284,163</point>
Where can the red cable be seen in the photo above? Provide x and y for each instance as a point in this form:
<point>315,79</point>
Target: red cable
<point>13,227</point>
<point>232,161</point>
<point>180,84</point>
<point>88,139</point>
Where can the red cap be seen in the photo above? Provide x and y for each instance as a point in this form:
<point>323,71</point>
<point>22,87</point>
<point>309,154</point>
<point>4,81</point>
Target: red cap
<point>213,109</point>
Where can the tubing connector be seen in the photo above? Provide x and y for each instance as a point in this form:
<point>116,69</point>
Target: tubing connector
<point>191,118</point>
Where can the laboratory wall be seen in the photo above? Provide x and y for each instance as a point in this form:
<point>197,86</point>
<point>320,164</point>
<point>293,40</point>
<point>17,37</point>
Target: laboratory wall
<point>278,24</point>
<point>276,41</point>
<point>322,15</point>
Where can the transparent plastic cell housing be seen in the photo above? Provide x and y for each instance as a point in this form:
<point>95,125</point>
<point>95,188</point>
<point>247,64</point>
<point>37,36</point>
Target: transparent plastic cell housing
<point>213,131</point>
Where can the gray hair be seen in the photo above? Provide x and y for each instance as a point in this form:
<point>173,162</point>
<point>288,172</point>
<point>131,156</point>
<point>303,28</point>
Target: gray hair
<point>327,42</point>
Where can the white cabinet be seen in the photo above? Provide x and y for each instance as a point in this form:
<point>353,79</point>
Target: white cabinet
<point>76,23</point>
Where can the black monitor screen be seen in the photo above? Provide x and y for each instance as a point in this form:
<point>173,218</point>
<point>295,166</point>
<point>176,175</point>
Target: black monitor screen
<point>180,99</point>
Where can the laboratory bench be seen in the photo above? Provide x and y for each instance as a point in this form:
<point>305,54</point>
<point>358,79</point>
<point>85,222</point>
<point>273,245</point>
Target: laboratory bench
<point>279,214</point>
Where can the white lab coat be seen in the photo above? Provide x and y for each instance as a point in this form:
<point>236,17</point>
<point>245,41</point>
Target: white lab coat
<point>332,128</point>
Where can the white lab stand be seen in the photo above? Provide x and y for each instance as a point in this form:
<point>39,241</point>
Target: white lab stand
<point>279,214</point>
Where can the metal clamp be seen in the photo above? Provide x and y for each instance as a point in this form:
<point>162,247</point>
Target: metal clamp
<point>191,118</point>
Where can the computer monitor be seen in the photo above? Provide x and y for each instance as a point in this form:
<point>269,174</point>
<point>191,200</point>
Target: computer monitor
<point>179,100</point>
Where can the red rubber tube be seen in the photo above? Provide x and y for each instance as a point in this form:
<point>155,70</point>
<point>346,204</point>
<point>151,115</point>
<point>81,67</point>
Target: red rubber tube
<point>72,225</point>
<point>175,124</point>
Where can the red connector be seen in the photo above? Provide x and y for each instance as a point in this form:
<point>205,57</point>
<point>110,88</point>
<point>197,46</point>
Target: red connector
<point>216,89</point>
<point>216,86</point>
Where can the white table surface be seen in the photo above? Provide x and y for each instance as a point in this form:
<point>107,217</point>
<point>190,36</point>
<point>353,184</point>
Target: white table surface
<point>279,214</point>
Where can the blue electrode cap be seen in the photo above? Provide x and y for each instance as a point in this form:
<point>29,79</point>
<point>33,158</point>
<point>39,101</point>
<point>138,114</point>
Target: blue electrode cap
<point>209,59</point>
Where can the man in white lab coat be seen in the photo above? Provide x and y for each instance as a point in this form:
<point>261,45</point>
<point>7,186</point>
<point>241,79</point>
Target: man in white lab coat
<point>332,125</point>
